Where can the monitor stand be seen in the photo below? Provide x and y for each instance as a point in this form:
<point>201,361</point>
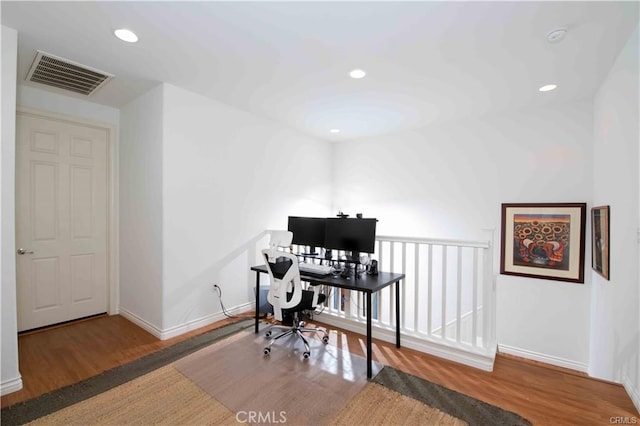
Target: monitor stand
<point>311,252</point>
<point>354,257</point>
<point>351,270</point>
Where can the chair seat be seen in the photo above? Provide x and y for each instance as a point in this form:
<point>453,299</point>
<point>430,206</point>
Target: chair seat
<point>306,302</point>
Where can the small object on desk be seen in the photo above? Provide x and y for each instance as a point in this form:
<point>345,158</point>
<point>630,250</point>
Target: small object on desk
<point>346,273</point>
<point>314,269</point>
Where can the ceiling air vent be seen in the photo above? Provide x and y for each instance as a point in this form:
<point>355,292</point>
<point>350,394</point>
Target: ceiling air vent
<point>65,74</point>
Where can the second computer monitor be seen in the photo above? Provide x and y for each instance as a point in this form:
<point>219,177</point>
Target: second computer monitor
<point>354,235</point>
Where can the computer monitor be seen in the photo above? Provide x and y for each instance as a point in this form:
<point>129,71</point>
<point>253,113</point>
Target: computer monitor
<point>307,231</point>
<point>354,235</point>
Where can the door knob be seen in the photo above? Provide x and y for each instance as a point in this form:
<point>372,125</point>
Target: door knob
<point>23,251</point>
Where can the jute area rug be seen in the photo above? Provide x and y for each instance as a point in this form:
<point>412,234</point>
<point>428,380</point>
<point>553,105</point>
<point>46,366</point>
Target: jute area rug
<point>230,382</point>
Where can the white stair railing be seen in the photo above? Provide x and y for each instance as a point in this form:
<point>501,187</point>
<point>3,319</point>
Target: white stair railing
<point>447,299</point>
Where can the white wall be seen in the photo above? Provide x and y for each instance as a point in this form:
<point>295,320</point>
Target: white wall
<point>33,97</point>
<point>10,376</point>
<point>228,176</point>
<point>200,182</point>
<point>141,210</point>
<point>615,318</point>
<point>450,180</point>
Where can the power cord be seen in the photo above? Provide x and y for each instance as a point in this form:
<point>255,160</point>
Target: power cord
<point>224,311</point>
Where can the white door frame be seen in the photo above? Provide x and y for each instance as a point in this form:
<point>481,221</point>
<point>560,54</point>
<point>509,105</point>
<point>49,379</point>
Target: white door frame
<point>113,281</point>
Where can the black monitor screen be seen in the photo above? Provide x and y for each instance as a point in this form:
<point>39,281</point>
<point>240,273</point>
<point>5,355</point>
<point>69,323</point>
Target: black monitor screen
<point>307,231</point>
<point>357,235</point>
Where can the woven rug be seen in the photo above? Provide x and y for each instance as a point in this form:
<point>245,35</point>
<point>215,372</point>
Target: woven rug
<point>166,397</point>
<point>226,380</point>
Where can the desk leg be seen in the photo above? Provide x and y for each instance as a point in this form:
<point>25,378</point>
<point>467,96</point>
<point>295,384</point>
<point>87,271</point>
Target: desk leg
<point>257,300</point>
<point>369,369</point>
<point>397,314</point>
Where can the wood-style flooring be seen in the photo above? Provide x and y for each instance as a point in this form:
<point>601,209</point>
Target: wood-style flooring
<point>56,357</point>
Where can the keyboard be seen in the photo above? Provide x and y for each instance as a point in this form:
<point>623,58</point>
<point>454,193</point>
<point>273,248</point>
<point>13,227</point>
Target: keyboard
<point>314,268</point>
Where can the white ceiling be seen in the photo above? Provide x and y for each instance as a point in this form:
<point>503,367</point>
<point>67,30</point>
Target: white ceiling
<point>289,61</point>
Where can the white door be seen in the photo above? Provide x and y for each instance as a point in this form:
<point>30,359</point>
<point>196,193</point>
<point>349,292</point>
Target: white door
<point>61,220</point>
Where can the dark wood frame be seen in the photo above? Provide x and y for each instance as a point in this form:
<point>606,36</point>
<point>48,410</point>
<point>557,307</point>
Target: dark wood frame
<point>544,240</point>
<point>600,240</point>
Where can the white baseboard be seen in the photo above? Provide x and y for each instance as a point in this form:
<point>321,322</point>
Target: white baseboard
<point>140,322</point>
<point>547,359</point>
<point>164,334</point>
<point>204,321</point>
<point>480,359</point>
<point>11,385</point>
<point>634,393</point>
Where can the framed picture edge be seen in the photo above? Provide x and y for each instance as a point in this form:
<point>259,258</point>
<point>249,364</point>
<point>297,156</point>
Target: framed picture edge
<point>607,209</point>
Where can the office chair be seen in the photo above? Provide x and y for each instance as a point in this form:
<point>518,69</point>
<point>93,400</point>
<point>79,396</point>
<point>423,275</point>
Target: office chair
<point>286,294</point>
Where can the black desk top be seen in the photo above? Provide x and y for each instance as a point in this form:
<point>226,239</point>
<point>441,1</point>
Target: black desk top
<point>364,282</point>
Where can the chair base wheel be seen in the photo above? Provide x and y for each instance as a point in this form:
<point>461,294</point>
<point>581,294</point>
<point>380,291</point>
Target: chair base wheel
<point>268,333</point>
<point>267,351</point>
<point>306,355</point>
<point>325,339</point>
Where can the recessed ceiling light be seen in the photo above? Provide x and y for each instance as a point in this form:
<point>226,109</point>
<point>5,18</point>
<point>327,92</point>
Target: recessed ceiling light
<point>126,35</point>
<point>334,130</point>
<point>547,88</point>
<point>357,74</point>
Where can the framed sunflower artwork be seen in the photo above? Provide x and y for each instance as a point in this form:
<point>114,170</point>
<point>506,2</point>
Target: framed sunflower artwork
<point>544,240</point>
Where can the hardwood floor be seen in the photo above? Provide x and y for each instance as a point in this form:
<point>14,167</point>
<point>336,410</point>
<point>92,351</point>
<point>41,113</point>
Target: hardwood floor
<point>54,358</point>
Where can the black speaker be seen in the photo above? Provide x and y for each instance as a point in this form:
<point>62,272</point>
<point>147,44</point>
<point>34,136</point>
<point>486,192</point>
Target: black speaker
<point>373,268</point>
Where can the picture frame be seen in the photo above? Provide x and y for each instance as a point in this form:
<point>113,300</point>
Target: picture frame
<point>544,240</point>
<point>600,240</point>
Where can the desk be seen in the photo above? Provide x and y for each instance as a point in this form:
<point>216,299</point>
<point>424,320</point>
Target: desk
<point>367,284</point>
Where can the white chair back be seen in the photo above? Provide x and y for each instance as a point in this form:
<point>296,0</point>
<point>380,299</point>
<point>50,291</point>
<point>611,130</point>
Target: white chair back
<point>284,274</point>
